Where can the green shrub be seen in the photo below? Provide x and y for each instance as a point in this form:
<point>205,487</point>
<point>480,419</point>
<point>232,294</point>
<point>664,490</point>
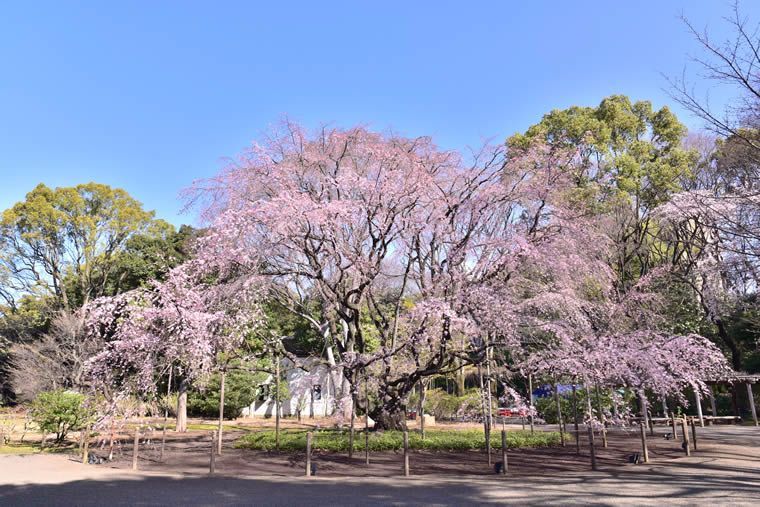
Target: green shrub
<point>435,440</point>
<point>449,406</point>
<point>59,412</point>
<point>547,406</point>
<point>240,390</point>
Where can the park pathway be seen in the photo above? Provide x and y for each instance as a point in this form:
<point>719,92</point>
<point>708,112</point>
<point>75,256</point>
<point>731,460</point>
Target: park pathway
<point>726,471</point>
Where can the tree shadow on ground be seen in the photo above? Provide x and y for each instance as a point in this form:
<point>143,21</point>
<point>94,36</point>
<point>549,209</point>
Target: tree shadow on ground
<point>606,487</point>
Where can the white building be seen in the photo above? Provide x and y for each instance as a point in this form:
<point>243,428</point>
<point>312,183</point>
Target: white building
<point>310,386</point>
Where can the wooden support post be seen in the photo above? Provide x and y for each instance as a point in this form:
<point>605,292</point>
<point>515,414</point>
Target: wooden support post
<point>644,449</point>
<point>136,448</point>
<point>277,402</point>
<point>591,447</point>
<point>503,452</point>
<point>406,453</point>
<point>212,454</point>
<point>559,414</point>
<point>163,441</point>
<point>85,444</point>
<point>675,431</point>
<point>351,428</point>
<point>308,454</point>
<point>698,402</point>
<point>530,394</point>
<point>489,401</point>
<point>694,433</point>
<point>366,420</point>
<point>421,410</point>
<point>575,421</point>
<point>645,411</point>
<point>752,402</point>
<point>601,416</point>
<point>488,445</point>
<point>110,445</point>
<point>685,429</point>
<point>713,406</point>
<point>591,444</point>
<point>220,431</point>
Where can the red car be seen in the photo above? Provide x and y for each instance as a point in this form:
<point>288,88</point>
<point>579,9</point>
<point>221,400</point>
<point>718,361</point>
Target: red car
<point>512,412</point>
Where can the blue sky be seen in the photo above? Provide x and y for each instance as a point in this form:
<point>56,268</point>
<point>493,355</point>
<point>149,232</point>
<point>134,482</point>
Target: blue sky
<point>149,96</point>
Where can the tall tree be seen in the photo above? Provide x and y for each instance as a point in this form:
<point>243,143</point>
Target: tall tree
<point>631,160</point>
<point>415,256</point>
<point>73,232</point>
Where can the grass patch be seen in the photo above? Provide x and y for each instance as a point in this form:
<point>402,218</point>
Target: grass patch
<point>435,440</point>
<point>19,449</point>
<point>34,448</point>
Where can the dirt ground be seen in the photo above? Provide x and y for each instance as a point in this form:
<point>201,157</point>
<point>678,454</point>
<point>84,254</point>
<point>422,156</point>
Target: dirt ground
<point>190,453</point>
<point>724,471</point>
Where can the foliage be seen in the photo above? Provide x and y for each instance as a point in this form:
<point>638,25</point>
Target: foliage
<point>547,406</point>
<point>435,440</point>
<point>149,256</point>
<point>240,390</point>
<point>73,232</point>
<point>449,406</point>
<point>59,412</point>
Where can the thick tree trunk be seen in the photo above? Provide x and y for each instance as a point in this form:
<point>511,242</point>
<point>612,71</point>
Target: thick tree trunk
<point>182,408</point>
<point>460,379</point>
<point>390,414</point>
<point>222,376</point>
<point>385,420</point>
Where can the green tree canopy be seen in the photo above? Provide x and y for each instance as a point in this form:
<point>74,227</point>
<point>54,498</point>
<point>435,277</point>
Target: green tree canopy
<point>65,234</point>
<point>630,160</point>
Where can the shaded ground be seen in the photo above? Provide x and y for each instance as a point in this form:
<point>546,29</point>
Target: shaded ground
<point>726,470</point>
<point>191,454</point>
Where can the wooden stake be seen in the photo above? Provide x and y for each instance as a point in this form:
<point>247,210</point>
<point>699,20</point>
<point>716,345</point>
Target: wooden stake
<point>601,416</point>
<point>591,445</point>
<point>110,448</point>
<point>752,402</point>
<point>136,448</point>
<point>351,428</point>
<point>530,394</point>
<point>488,445</point>
<point>212,454</point>
<point>685,430</point>
<point>575,421</point>
<point>698,402</point>
<point>308,454</point>
<point>163,441</point>
<point>222,377</point>
<point>503,452</point>
<point>644,448</point>
<point>366,420</point>
<point>85,444</point>
<point>277,402</point>
<point>489,401</point>
<point>421,409</point>
<point>694,433</point>
<point>406,453</point>
<point>713,406</point>
<point>675,432</point>
<point>559,414</point>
